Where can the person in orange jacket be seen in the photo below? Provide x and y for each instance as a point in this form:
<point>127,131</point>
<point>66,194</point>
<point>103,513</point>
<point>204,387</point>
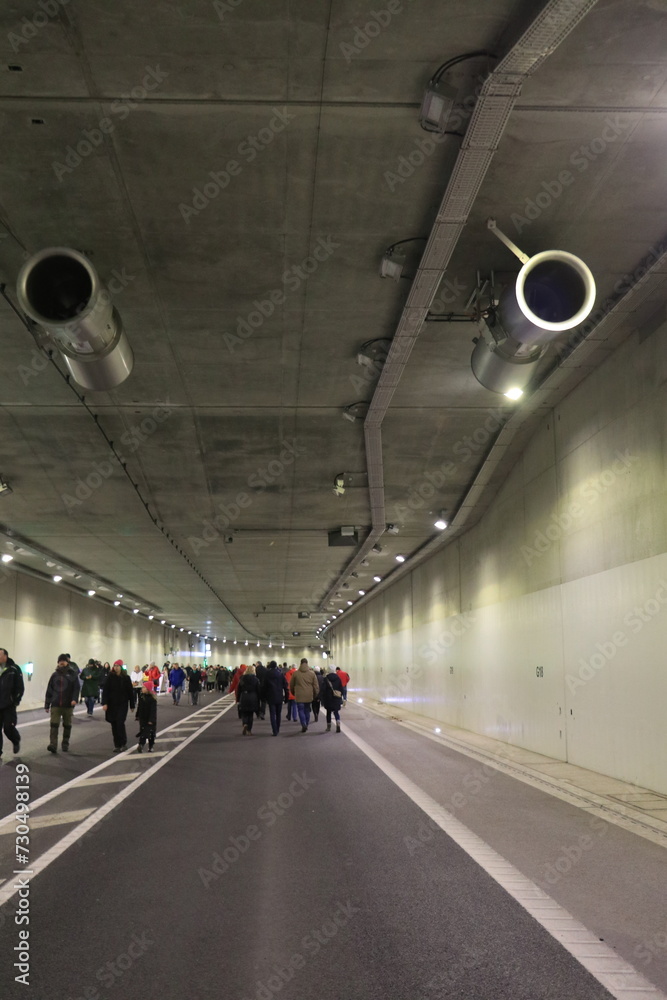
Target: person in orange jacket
<point>292,713</point>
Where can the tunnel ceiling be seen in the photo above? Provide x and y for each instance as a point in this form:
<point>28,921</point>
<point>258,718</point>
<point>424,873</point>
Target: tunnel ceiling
<point>234,171</point>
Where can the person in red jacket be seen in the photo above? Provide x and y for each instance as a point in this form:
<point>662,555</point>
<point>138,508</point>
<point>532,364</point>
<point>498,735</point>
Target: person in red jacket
<point>292,713</point>
<point>345,680</point>
<point>155,676</point>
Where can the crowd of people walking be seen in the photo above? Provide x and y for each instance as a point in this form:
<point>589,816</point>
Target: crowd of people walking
<point>302,689</point>
<point>255,687</point>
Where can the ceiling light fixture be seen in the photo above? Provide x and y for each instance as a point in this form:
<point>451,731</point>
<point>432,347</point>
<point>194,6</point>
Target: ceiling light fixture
<point>378,579</point>
<point>514,393</point>
<point>135,611</point>
<point>441,523</point>
<point>151,617</point>
<point>400,558</point>
<point>350,603</point>
<point>57,578</point>
<point>7,558</point>
<point>91,593</point>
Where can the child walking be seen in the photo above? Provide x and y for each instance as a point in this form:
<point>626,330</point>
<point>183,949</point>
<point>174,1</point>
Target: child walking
<point>147,716</point>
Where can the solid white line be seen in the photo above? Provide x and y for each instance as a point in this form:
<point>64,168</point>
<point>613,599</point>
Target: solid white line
<point>43,862</point>
<point>86,774</point>
<point>616,975</point>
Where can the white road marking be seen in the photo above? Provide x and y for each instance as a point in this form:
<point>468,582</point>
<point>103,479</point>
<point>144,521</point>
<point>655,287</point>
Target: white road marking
<point>41,863</point>
<point>54,819</point>
<point>616,975</point>
<point>86,774</point>
<point>106,778</point>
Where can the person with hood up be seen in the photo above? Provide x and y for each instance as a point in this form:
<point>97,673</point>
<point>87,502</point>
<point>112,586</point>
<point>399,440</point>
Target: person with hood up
<point>11,692</point>
<point>118,696</point>
<point>146,716</point>
<point>90,685</point>
<point>248,697</point>
<point>306,690</point>
<point>62,694</point>
<point>332,697</point>
<point>194,685</point>
<point>274,692</point>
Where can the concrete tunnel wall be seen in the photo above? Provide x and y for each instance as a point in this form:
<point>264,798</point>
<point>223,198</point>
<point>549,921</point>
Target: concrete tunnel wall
<point>39,620</point>
<point>545,625</point>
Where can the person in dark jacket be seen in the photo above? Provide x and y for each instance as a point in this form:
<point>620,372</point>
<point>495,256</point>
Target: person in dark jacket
<point>260,671</point>
<point>332,697</point>
<point>90,685</point>
<point>147,716</point>
<point>11,692</point>
<point>62,694</point>
<point>176,681</point>
<point>118,696</point>
<point>248,697</point>
<point>194,685</point>
<point>221,679</point>
<point>274,692</point>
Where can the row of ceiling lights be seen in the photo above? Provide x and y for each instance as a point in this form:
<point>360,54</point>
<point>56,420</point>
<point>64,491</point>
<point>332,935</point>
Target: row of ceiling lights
<point>440,524</point>
<point>7,558</point>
